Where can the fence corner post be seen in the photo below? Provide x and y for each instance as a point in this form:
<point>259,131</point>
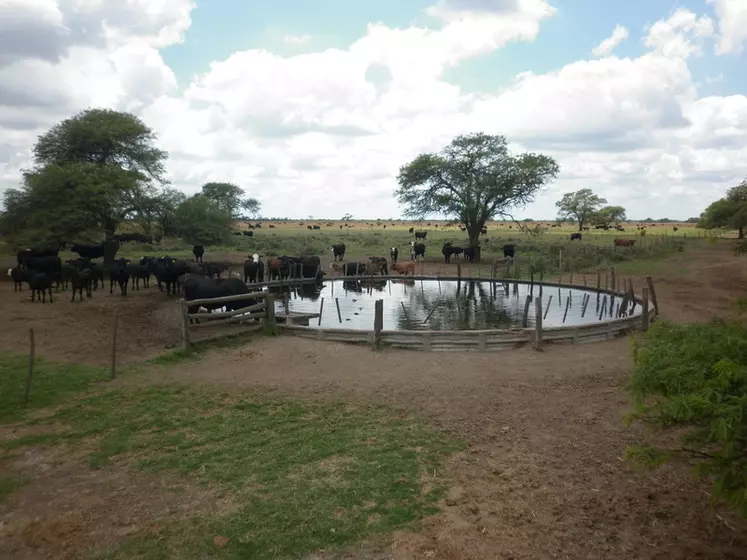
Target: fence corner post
<point>644,316</point>
<point>538,323</point>
<point>185,324</point>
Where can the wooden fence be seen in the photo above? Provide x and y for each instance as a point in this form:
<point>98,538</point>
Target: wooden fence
<point>257,314</point>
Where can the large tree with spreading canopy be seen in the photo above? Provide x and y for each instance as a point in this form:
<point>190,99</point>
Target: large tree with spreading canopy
<point>473,179</point>
<point>728,212</point>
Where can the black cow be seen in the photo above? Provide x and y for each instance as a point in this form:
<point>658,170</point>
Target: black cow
<point>213,269</point>
<point>421,234</point>
<point>139,272</point>
<point>200,287</point>
<point>484,231</point>
<point>338,251</point>
<point>378,264</point>
<point>40,282</point>
<point>509,250</point>
<point>238,233</point>
<point>119,273</point>
<point>469,254</point>
<point>309,228</point>
<point>412,229</point>
<point>417,250</point>
<point>17,275</point>
<point>80,279</point>
<point>25,254</point>
<point>317,227</point>
<point>89,251</point>
<point>254,269</point>
<point>198,251</point>
<point>353,269</point>
<point>394,253</point>
<point>248,233</point>
<point>575,237</point>
<point>447,250</point>
<point>308,267</point>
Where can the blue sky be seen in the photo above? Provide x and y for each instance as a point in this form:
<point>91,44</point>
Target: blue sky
<point>222,27</point>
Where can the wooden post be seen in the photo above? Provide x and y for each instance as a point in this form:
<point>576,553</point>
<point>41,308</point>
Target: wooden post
<point>651,290</point>
<point>585,305</point>
<point>114,343</point>
<point>183,310</point>
<point>567,305</point>
<point>285,303</point>
<point>525,317</point>
<point>613,279</point>
<point>321,310</point>
<point>339,315</point>
<point>30,374</point>
<point>549,301</point>
<point>560,261</point>
<point>570,280</point>
<point>431,313</point>
<point>606,282</point>
<point>537,323</point>
<point>644,317</point>
<point>378,322</point>
<point>270,308</point>
<point>459,270</point>
<point>407,317</point>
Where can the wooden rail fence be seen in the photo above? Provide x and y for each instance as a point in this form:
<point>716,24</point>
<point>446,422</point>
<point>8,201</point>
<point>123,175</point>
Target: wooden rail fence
<point>259,314</point>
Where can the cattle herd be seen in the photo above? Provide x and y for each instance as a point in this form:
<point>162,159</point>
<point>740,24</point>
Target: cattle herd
<point>43,269</point>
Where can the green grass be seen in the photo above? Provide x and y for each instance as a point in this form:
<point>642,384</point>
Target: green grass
<point>50,384</point>
<point>304,476</point>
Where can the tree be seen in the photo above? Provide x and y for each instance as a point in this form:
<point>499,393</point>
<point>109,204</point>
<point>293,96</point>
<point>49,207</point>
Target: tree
<point>728,212</point>
<point>472,179</point>
<point>91,172</point>
<point>200,221</point>
<point>230,198</point>
<point>608,215</point>
<point>160,209</point>
<point>347,217</point>
<point>579,206</point>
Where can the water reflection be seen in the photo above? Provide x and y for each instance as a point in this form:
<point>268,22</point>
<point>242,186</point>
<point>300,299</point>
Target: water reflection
<point>445,305</point>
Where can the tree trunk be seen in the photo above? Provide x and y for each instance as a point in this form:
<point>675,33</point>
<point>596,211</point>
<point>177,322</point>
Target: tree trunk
<point>580,225</point>
<point>474,241</point>
<point>741,232</point>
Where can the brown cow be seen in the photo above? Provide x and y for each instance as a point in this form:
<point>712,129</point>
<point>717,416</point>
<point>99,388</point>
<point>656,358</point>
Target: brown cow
<point>624,242</point>
<point>404,267</point>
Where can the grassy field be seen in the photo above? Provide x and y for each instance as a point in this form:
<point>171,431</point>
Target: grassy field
<point>300,476</point>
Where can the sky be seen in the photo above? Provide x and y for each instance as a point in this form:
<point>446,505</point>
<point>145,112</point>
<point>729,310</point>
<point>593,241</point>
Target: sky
<point>312,106</point>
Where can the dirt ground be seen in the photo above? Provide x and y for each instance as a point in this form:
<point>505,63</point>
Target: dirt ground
<point>543,476</point>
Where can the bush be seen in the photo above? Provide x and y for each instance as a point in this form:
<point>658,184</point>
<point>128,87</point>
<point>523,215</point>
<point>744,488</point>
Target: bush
<point>694,378</point>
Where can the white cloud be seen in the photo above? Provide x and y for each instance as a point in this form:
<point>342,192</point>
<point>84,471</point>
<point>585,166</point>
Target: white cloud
<point>310,134</point>
<point>605,48</point>
<point>297,39</point>
<point>732,24</point>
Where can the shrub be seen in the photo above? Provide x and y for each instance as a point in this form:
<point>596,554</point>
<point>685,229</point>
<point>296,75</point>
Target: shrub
<point>694,378</point>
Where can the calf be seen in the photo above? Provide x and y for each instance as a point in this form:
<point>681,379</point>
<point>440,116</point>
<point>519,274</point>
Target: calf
<point>394,253</point>
<point>420,234</point>
<point>119,273</point>
<point>447,250</point>
<point>338,251</point>
<point>17,275</point>
<point>575,237</point>
<point>378,266</point>
<point>79,279</point>
<point>417,250</point>
<point>405,267</point>
<point>509,250</point>
<point>198,251</point>
<point>469,253</point>
<point>40,283</point>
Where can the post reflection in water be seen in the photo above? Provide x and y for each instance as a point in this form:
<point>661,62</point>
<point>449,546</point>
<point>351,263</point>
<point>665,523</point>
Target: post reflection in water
<point>439,305</point>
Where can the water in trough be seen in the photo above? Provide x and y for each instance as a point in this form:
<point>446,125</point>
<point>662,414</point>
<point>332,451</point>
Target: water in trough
<point>443,305</point>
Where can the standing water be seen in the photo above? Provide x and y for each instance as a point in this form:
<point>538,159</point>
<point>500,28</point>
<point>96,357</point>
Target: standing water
<point>446,305</point>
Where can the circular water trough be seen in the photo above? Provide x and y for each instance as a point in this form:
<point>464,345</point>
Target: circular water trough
<point>491,315</point>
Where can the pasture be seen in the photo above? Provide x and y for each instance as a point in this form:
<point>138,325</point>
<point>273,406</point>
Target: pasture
<point>261,447</point>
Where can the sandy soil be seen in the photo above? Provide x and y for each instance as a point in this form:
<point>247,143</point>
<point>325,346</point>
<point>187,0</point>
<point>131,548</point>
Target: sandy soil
<point>543,476</point>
